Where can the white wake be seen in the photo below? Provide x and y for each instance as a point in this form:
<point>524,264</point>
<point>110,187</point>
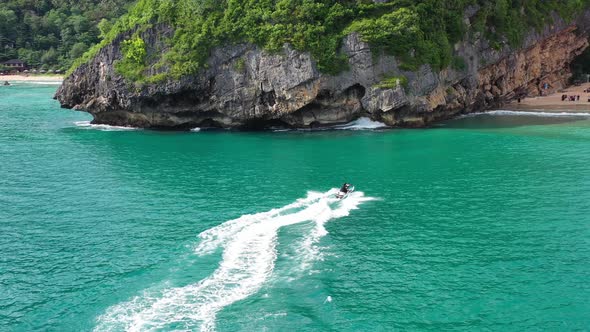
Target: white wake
<point>248,260</point>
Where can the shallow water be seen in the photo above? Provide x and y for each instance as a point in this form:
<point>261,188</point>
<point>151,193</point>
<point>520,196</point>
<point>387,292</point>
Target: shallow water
<point>477,224</point>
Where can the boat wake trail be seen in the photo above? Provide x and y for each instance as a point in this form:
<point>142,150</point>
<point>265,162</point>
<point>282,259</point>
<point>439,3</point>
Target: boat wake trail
<point>248,259</point>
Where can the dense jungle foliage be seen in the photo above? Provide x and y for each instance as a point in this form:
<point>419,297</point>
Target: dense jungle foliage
<point>416,31</point>
<point>49,34</point>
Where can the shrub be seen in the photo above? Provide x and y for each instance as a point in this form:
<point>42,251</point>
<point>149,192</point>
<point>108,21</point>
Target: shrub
<point>133,63</point>
<point>393,82</point>
<point>458,63</point>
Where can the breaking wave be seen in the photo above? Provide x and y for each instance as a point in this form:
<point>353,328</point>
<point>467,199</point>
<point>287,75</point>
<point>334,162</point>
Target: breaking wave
<point>361,124</point>
<point>248,259</point>
<point>103,127</point>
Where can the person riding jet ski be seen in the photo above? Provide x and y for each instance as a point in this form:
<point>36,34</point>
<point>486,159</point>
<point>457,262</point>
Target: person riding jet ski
<point>345,190</point>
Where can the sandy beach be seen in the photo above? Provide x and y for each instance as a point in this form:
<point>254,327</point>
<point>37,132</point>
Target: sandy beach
<point>35,78</point>
<point>553,102</point>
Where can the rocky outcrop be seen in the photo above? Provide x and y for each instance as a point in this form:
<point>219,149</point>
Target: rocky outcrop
<point>245,86</point>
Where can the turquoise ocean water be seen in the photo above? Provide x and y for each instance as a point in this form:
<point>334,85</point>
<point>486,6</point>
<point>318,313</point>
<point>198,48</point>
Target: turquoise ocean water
<point>478,224</point>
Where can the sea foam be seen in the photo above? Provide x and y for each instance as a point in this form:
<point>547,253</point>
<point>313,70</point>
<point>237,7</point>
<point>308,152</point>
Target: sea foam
<point>361,124</point>
<point>103,127</point>
<point>249,254</point>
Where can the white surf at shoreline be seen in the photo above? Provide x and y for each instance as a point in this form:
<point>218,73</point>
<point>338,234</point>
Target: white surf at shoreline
<point>528,113</point>
<point>249,254</point>
<point>41,82</point>
<point>361,124</point>
<point>357,125</point>
<point>102,127</point>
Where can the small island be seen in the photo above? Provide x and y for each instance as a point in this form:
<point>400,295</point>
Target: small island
<point>405,65</point>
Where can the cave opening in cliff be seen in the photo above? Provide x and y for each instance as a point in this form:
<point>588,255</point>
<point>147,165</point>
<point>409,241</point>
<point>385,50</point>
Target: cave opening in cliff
<point>356,91</point>
<point>580,68</point>
<point>264,124</point>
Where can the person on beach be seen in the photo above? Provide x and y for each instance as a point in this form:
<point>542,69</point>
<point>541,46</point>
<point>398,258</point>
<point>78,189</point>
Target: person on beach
<point>6,83</point>
<point>578,98</point>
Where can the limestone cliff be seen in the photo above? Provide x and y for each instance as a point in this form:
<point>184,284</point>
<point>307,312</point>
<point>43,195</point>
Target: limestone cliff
<point>245,86</point>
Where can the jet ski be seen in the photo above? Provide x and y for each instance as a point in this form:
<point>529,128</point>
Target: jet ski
<point>344,191</point>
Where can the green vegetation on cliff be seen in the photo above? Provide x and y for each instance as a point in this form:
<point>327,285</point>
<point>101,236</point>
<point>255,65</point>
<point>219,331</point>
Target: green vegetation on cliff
<point>417,32</point>
<point>49,34</point>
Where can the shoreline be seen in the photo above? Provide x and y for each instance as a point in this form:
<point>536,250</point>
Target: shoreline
<point>29,78</point>
<point>553,101</point>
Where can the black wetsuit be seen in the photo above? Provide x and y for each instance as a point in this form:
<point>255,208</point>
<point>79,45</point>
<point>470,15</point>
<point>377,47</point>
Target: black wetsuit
<point>344,188</point>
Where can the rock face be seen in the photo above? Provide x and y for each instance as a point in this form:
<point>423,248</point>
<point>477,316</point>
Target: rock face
<point>244,86</point>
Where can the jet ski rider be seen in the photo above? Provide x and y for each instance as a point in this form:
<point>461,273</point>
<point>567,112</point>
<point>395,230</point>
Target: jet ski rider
<point>344,188</point>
